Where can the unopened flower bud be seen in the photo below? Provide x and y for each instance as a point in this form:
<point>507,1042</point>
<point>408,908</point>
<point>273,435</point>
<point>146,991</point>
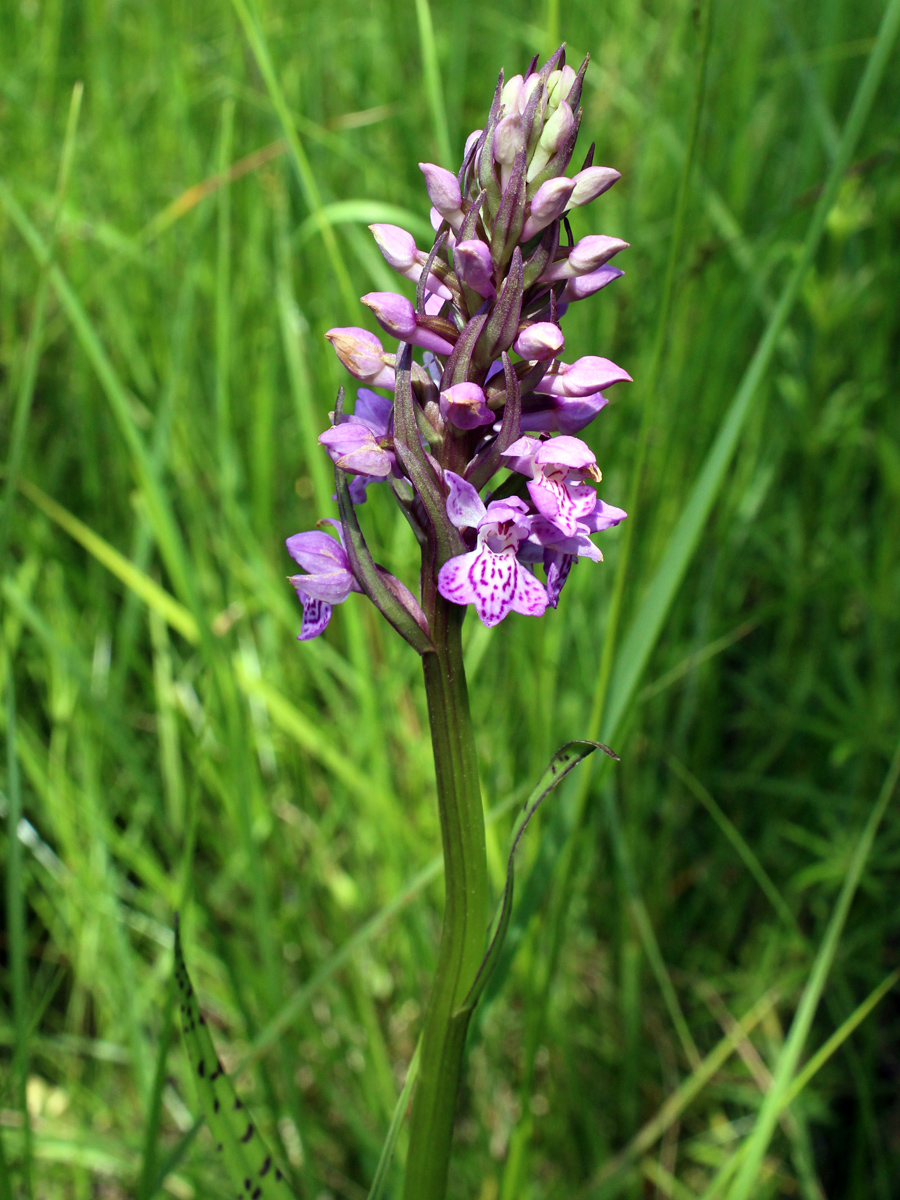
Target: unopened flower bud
<point>549,202</point>
<point>540,342</point>
<point>593,251</point>
<point>528,88</point>
<point>591,183</point>
<point>554,135</point>
<point>464,406</point>
<point>471,140</point>
<point>559,85</point>
<point>582,377</point>
<point>508,139</point>
<point>400,252</point>
<point>584,257</point>
<point>363,355</point>
<point>561,414</point>
<point>397,316</point>
<point>443,192</point>
<point>557,129</point>
<point>583,286</point>
<point>473,263</point>
<point>397,246</point>
<point>509,97</point>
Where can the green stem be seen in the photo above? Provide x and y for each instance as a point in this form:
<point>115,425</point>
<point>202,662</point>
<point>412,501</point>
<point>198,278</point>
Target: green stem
<point>465,911</point>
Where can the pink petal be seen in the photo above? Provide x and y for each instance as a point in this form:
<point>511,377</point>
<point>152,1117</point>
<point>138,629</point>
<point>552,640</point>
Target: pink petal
<point>465,507</point>
<point>317,552</point>
<point>565,451</point>
<point>530,596</point>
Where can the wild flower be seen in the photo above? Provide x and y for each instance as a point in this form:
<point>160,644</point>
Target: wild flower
<point>488,406</point>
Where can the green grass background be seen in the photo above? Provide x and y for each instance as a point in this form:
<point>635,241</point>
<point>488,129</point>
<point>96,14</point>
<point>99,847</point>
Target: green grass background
<point>170,745</point>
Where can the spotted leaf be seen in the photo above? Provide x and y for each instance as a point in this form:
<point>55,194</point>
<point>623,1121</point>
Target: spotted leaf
<point>250,1166</point>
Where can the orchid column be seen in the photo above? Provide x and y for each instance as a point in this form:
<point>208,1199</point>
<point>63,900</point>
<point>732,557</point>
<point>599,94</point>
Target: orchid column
<point>488,395</point>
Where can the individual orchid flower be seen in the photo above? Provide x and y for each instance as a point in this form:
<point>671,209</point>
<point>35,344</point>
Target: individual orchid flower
<point>557,469</point>
<point>490,577</point>
<point>328,580</point>
<point>558,553</point>
<point>360,443</point>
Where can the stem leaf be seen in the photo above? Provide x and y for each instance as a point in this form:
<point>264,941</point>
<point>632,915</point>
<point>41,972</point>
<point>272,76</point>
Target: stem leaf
<point>247,1159</point>
<point>562,762</point>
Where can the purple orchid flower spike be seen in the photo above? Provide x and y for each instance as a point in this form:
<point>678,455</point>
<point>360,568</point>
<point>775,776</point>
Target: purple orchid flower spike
<point>475,377</point>
<point>328,581</point>
<point>557,469</point>
<point>490,577</point>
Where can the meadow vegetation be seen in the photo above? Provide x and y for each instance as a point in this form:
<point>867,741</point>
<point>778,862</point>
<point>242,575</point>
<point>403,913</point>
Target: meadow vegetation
<point>184,194</point>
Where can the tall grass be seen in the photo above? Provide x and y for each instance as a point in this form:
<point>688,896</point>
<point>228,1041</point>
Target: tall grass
<point>175,240</point>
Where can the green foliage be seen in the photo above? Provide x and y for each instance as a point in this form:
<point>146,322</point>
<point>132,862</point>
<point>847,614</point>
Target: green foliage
<point>163,377</point>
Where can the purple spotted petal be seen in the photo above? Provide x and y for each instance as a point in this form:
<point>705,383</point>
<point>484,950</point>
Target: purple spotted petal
<point>562,502</point>
<point>482,578</point>
<point>557,567</point>
<point>316,615</point>
<point>465,508</point>
<point>530,596</point>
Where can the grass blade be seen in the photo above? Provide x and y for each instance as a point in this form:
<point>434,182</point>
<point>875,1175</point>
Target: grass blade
<point>15,919</point>
<point>603,1182</point>
<point>758,1141</point>
<point>657,600</point>
<point>305,173</point>
<point>381,1171</point>
<point>28,380</point>
<point>154,1112</point>
<point>155,597</point>
<point>433,86</point>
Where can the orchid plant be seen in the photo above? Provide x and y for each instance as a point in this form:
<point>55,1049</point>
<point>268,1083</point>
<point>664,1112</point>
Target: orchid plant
<point>489,397</point>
